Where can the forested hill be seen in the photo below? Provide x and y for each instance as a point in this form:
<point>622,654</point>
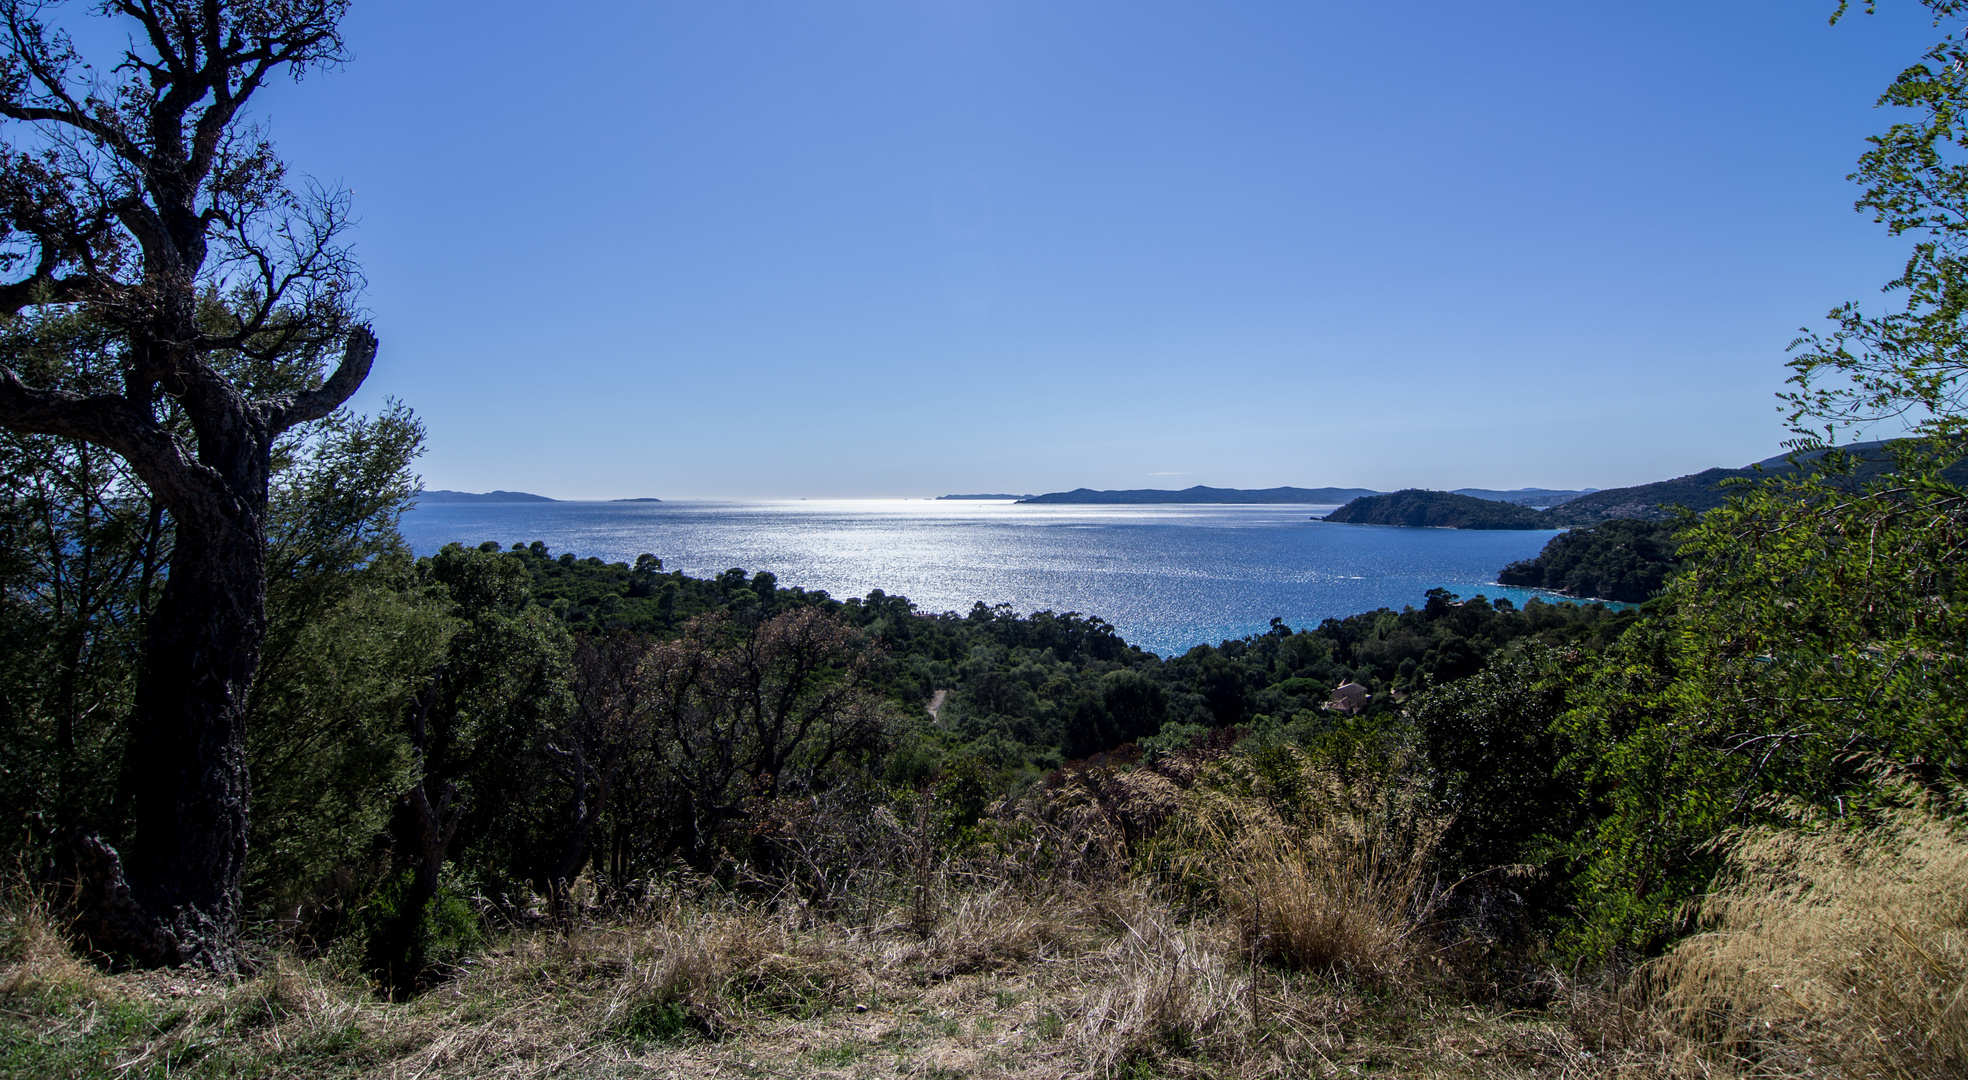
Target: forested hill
<point>1623,559</point>
<point>1201,494</point>
<point>1417,508</point>
<point>1035,690</point>
<point>1705,490</point>
<point>1699,492</point>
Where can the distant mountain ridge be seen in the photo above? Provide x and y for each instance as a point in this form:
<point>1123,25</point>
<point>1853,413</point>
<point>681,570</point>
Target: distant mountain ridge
<point>1201,494</point>
<point>1537,497</point>
<point>442,496</point>
<point>1698,492</point>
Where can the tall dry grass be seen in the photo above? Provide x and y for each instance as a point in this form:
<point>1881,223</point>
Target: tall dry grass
<point>1830,952</point>
<point>1331,876</point>
<point>711,971</point>
<point>1157,990</point>
<point>35,955</point>
<point>1102,980</point>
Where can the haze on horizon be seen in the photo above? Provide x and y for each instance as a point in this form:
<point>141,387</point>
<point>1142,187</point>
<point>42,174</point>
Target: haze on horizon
<point>875,248</point>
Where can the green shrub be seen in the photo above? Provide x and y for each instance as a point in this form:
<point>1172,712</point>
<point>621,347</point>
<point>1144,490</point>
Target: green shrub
<point>405,948</point>
<point>661,1021</point>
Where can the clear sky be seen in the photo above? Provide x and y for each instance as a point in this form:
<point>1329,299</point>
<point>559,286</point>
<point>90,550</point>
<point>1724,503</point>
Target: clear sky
<point>769,248</point>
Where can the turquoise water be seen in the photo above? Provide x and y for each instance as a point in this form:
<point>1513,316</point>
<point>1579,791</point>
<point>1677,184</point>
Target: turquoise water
<point>1168,577</point>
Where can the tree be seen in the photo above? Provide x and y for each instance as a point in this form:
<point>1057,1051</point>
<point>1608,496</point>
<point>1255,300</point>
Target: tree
<point>499,697</point>
<point>1906,365</point>
<point>1813,644</point>
<point>145,197</point>
<point>352,640</point>
<point>743,713</point>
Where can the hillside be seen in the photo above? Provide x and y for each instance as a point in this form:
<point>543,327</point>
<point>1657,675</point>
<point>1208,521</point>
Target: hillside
<point>1417,508</point>
<point>1201,494</point>
<point>1622,559</point>
<point>1705,490</point>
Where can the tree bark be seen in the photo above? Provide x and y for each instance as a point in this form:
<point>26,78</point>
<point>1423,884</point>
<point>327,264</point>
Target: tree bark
<point>187,773</point>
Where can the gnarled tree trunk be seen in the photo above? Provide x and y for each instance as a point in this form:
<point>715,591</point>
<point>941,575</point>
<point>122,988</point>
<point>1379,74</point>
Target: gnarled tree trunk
<point>186,771</point>
<point>144,200</point>
<point>176,898</point>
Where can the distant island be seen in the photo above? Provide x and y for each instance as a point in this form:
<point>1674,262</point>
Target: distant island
<point>1201,494</point>
<point>1461,508</point>
<point>442,496</point>
<point>1416,508</point>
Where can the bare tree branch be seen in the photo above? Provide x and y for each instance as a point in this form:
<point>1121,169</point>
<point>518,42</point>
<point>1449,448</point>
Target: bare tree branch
<point>288,410</point>
<point>107,420</point>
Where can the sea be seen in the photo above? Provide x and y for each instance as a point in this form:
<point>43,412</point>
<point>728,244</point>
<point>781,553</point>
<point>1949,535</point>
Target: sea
<point>1168,577</point>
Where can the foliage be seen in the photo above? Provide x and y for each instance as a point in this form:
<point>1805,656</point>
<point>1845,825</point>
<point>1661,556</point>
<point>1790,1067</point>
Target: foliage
<point>1495,759</point>
<point>500,691</point>
<point>83,550</point>
<point>328,748</point>
<point>739,716</point>
<point>1813,627</point>
<point>351,641</point>
<point>407,944</point>
<point>1905,365</point>
<point>1033,691</point>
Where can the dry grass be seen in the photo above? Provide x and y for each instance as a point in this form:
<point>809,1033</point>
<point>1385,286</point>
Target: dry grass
<point>1159,990</point>
<point>996,929</point>
<point>1829,954</point>
<point>1090,982</point>
<point>37,954</point>
<point>1337,883</point>
<point>1832,952</point>
<point>710,972</point>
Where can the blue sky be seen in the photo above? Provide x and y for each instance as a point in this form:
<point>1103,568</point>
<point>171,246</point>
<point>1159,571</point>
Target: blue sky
<point>857,248</point>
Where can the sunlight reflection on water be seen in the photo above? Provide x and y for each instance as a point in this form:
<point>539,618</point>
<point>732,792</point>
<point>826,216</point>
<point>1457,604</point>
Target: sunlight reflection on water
<point>1167,576</point>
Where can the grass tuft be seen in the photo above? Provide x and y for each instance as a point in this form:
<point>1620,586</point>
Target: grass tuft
<point>1328,875</point>
<point>1830,952</point>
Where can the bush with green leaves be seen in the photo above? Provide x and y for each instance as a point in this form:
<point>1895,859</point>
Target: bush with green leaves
<point>1816,630</point>
<point>406,944</point>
